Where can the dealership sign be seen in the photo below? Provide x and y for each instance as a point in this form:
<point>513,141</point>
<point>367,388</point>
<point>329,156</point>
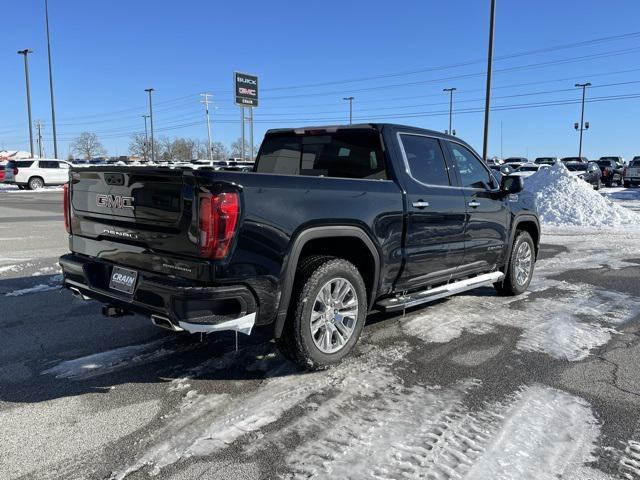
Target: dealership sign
<point>246,89</point>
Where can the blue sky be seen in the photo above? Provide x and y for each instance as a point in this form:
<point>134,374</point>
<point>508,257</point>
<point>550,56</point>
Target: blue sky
<point>106,53</point>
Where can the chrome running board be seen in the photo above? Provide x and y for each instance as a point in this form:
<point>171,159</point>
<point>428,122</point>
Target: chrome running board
<point>432,294</point>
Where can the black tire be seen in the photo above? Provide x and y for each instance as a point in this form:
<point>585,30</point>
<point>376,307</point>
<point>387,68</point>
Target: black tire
<point>296,342</point>
<point>608,184</point>
<point>598,185</point>
<point>627,184</point>
<point>510,285</point>
<point>36,183</point>
<point>21,187</point>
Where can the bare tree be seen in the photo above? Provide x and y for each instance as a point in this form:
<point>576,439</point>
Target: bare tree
<point>220,152</point>
<point>236,148</point>
<point>88,146</point>
<point>140,146</point>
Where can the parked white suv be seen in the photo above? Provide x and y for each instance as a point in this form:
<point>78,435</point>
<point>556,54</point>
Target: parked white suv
<point>34,174</point>
<point>631,174</point>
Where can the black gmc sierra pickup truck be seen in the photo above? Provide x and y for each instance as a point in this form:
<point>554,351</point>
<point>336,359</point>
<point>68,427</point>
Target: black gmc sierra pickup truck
<point>333,222</point>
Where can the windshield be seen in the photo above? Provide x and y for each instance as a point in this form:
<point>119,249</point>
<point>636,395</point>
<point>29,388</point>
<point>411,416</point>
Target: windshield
<point>577,167</point>
<point>348,153</point>
<point>545,160</point>
<point>528,168</point>
<point>515,160</point>
<point>635,163</point>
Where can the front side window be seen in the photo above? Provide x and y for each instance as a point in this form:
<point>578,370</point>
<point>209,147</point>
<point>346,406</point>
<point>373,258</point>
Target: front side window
<point>339,154</point>
<point>425,159</point>
<point>472,172</point>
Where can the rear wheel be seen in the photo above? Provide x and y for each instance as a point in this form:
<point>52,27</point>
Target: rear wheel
<point>36,183</point>
<point>627,184</point>
<point>328,315</point>
<point>520,268</point>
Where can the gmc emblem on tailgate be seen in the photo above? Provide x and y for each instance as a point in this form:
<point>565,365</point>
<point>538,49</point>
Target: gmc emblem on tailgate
<point>114,201</point>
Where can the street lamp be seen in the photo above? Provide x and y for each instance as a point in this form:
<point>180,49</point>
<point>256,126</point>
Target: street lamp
<point>153,148</point>
<point>146,138</point>
<point>53,110</point>
<point>350,100</point>
<point>583,126</point>
<point>492,21</point>
<point>450,90</point>
<point>26,52</point>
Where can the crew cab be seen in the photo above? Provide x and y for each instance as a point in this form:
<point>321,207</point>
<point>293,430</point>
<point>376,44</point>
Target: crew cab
<point>331,223</point>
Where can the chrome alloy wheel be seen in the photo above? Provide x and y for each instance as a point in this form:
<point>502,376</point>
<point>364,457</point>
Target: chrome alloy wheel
<point>334,315</point>
<point>524,261</point>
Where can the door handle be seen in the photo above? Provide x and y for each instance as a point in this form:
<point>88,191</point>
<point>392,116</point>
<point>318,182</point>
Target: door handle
<point>474,203</point>
<point>420,204</point>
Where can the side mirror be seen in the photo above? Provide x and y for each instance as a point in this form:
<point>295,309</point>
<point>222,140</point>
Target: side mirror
<point>511,184</point>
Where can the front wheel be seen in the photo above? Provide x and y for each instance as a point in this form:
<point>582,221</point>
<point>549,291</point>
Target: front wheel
<point>520,267</point>
<point>328,315</point>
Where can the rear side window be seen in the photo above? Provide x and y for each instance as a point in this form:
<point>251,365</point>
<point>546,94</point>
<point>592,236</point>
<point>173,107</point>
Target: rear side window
<point>340,154</point>
<point>48,164</point>
<point>425,159</point>
<point>24,163</point>
<point>472,172</point>
<point>635,163</point>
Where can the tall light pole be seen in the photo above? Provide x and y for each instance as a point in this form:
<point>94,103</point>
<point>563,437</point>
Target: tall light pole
<point>350,100</point>
<point>40,146</point>
<point>53,110</point>
<point>492,21</point>
<point>205,101</point>
<point>26,52</point>
<point>450,90</point>
<point>146,138</point>
<point>153,147</point>
<point>582,127</point>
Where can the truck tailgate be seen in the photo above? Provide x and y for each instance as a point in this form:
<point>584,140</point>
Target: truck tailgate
<point>139,217</point>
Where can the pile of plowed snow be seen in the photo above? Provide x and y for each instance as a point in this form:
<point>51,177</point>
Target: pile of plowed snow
<point>562,199</point>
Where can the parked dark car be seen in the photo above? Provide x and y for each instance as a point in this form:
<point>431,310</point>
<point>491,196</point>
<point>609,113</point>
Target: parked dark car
<point>611,171</point>
<point>631,174</point>
<point>546,160</point>
<point>589,172</point>
<point>515,162</point>
<point>332,222</point>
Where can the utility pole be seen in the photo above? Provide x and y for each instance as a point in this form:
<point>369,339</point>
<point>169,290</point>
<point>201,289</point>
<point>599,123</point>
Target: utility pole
<point>450,90</point>
<point>206,109</point>
<point>487,107</point>
<point>26,52</point>
<point>53,110</point>
<point>146,138</point>
<point>582,127</point>
<point>39,128</point>
<point>350,100</point>
<point>501,144</point>
<point>153,147</point>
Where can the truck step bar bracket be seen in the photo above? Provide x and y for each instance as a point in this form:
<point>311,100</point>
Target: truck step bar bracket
<point>418,298</point>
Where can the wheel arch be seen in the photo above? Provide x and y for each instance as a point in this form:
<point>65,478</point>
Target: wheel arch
<point>348,242</point>
<point>530,224</point>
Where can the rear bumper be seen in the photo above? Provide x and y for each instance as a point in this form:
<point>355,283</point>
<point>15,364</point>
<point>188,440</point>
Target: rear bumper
<point>179,304</point>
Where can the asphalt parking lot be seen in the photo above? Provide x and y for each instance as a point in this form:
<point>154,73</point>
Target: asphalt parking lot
<point>477,386</point>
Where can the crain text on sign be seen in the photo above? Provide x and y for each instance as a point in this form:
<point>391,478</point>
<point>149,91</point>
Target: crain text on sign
<point>246,89</point>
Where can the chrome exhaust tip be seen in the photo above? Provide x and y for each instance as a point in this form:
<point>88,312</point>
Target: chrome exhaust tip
<point>78,294</point>
<point>164,322</point>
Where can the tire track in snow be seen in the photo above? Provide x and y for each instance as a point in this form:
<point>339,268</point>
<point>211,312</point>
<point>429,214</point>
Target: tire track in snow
<point>204,424</point>
<point>425,432</point>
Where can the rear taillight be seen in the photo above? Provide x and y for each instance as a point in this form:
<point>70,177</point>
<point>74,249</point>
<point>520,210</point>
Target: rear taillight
<point>218,219</point>
<point>66,204</point>
<point>15,171</point>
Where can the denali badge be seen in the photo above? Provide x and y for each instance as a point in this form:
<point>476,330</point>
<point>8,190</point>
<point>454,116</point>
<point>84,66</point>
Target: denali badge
<point>114,201</point>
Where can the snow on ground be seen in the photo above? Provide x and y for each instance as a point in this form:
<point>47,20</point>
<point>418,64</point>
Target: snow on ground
<point>9,188</point>
<point>565,326</point>
<point>110,360</point>
<point>563,199</point>
<point>54,284</point>
<point>630,461</point>
<point>205,424</point>
<point>406,432</point>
